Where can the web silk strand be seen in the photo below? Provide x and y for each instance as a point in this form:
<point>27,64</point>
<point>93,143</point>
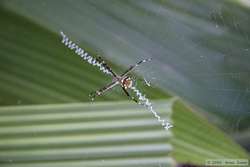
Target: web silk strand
<point>145,102</point>
<point>84,55</point>
<point>91,60</point>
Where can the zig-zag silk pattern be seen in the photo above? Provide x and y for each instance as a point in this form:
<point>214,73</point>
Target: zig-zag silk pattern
<point>84,55</point>
<point>145,102</point>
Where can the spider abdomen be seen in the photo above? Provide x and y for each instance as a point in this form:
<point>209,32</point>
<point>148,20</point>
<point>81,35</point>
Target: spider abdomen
<point>127,83</point>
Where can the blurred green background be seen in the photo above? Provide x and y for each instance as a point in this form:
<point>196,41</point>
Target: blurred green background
<point>199,76</point>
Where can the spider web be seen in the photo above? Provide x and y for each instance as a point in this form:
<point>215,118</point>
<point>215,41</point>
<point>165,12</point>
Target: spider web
<point>200,49</point>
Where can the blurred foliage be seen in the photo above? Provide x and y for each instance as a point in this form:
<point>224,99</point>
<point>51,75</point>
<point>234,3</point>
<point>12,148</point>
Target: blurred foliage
<point>34,60</point>
<point>98,134</point>
<point>200,48</point>
<point>35,68</point>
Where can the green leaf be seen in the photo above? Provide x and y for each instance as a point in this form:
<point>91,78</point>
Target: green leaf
<point>97,134</point>
<point>35,68</point>
<point>108,134</point>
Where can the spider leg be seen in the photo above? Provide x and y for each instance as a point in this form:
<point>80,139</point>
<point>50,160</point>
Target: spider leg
<point>126,92</point>
<point>134,66</point>
<point>106,66</point>
<point>104,89</point>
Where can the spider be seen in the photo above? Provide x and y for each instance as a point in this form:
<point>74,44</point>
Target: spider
<point>123,80</point>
